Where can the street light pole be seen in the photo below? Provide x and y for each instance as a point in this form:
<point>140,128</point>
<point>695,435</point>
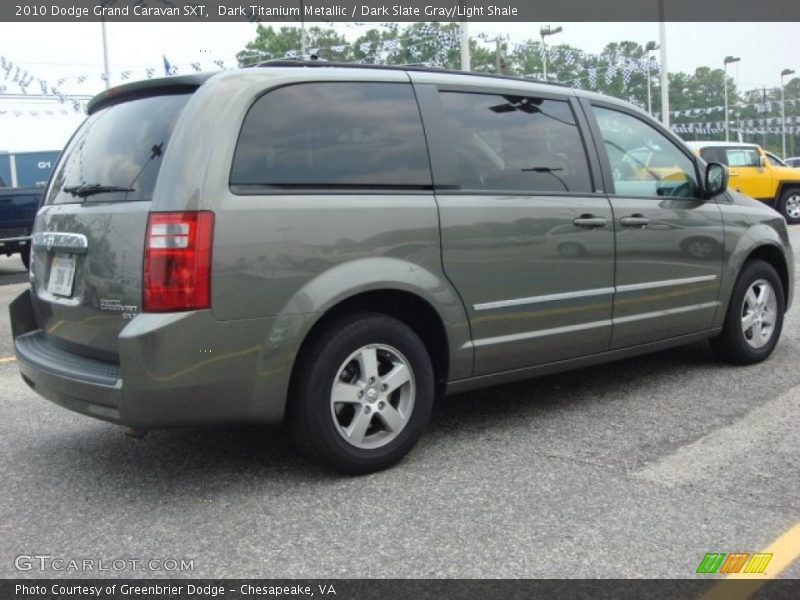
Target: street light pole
<point>465,58</point>
<point>728,60</point>
<point>544,31</point>
<point>662,35</point>
<point>105,53</point>
<point>302,31</point>
<point>784,73</point>
<point>650,46</point>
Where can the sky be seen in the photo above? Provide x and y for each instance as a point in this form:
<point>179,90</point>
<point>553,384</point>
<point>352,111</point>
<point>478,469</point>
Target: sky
<point>51,51</point>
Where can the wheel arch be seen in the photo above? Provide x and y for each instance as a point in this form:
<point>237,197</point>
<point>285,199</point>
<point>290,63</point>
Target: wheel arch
<point>772,255</point>
<point>769,251</point>
<point>412,309</point>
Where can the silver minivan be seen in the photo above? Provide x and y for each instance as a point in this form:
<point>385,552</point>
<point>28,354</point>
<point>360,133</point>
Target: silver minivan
<point>334,246</point>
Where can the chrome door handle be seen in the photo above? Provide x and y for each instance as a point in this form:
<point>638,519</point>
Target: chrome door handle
<point>635,221</point>
<point>590,221</point>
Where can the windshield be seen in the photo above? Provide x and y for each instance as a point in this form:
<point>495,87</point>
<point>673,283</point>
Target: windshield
<point>116,154</point>
<point>775,161</point>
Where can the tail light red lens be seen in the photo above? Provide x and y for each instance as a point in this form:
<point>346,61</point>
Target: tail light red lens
<point>177,261</point>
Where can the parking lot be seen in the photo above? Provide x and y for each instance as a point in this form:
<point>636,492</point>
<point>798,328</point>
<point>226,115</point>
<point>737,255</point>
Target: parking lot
<point>633,469</point>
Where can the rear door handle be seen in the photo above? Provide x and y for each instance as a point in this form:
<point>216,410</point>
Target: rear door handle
<point>590,221</point>
<point>635,221</point>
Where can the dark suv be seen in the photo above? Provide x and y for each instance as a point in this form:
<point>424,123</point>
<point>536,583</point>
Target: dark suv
<point>18,208</point>
<point>334,246</point>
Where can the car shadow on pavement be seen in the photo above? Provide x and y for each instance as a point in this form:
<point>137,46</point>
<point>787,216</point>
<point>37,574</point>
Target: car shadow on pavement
<point>254,455</point>
<point>543,394</point>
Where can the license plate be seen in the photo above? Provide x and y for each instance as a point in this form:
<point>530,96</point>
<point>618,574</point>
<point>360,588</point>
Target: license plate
<point>62,275</point>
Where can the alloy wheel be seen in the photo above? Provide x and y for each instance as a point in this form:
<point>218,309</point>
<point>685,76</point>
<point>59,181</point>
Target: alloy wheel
<point>372,396</point>
<point>759,313</point>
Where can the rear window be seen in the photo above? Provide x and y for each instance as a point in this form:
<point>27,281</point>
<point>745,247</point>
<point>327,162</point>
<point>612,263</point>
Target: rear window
<point>743,157</point>
<point>120,146</point>
<point>712,154</point>
<point>332,135</point>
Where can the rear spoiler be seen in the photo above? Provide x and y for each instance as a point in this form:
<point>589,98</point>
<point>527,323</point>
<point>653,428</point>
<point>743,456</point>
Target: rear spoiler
<point>181,84</point>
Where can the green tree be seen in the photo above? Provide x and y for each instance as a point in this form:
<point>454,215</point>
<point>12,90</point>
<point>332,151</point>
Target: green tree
<point>619,70</point>
<point>274,44</point>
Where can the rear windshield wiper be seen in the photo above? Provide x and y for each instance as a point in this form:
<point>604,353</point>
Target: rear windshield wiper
<point>86,190</point>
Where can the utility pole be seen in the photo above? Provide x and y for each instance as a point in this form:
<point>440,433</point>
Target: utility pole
<point>498,60</point>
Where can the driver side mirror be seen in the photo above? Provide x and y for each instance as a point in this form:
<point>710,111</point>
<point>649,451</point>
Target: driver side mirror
<point>716,180</point>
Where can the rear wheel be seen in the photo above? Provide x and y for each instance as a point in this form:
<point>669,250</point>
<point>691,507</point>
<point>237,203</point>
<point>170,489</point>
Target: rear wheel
<point>362,394</point>
<point>755,316</point>
<point>789,205</point>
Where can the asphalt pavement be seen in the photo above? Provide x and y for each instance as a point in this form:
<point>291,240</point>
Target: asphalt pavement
<point>631,469</point>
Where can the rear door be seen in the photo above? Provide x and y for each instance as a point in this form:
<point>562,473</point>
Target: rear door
<point>747,174</point>
<point>88,243</point>
<point>669,241</point>
<point>526,239</point>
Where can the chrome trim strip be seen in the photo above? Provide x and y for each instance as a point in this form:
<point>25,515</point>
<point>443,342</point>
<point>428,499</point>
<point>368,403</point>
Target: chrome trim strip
<point>74,243</point>
<point>665,313</point>
<point>632,287</point>
<point>545,298</point>
<point>516,337</point>
<point>649,285</point>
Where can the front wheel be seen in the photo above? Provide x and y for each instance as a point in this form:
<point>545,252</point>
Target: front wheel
<point>789,205</point>
<point>755,316</point>
<point>362,394</point>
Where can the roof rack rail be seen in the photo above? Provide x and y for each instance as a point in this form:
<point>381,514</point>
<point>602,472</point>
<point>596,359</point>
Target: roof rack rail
<point>320,63</point>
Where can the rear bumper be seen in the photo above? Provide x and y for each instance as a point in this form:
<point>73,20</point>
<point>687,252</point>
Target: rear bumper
<point>174,369</point>
<point>14,244</point>
<point>83,385</point>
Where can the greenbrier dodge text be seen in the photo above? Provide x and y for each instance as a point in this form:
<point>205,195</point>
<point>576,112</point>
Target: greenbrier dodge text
<point>204,591</point>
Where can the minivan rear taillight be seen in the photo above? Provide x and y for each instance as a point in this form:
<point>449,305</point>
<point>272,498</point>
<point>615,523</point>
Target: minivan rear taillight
<point>177,261</point>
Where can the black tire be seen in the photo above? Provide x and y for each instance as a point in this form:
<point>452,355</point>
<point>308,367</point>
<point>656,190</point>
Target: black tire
<point>789,205</point>
<point>25,255</point>
<point>731,345</point>
<point>309,418</point>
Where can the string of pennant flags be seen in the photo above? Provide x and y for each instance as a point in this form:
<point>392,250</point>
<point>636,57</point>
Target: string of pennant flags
<point>747,126</point>
<point>762,107</point>
<point>14,77</point>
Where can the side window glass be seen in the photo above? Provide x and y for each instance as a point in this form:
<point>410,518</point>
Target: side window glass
<point>516,143</point>
<point>332,134</point>
<point>742,157</point>
<point>644,162</point>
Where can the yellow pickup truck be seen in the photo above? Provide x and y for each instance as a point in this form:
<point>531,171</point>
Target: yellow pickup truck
<point>756,173</point>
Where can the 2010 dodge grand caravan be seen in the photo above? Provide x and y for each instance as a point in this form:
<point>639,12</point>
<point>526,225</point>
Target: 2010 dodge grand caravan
<point>334,246</point>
